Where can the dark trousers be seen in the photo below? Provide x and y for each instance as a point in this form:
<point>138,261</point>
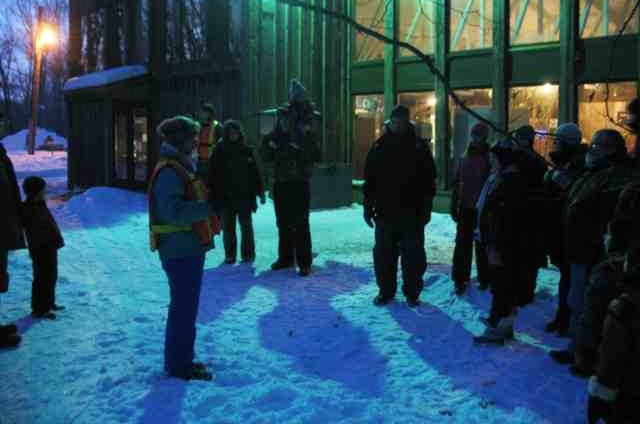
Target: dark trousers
<point>292,203</point>
<point>45,276</point>
<point>564,311</point>
<point>247,243</point>
<point>404,239</point>
<point>503,289</point>
<point>4,274</point>
<point>463,252</point>
<point>185,280</point>
<point>528,276</point>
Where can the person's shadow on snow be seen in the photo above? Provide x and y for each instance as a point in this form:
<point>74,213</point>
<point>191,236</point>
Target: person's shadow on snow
<point>164,401</point>
<point>322,342</point>
<point>522,370</point>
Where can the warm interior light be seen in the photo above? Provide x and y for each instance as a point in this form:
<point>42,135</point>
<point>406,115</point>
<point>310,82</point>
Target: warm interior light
<point>47,37</point>
<point>432,101</point>
<point>547,88</point>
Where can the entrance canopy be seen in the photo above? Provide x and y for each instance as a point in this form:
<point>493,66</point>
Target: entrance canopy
<point>105,78</point>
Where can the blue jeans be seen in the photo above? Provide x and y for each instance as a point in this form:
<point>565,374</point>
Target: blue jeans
<point>185,280</point>
<point>579,278</point>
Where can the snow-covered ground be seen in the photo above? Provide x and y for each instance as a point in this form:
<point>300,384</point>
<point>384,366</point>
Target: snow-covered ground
<point>283,349</point>
<point>52,166</point>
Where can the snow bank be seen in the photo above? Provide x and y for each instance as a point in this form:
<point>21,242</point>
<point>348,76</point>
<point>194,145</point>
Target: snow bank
<point>283,349</point>
<point>17,142</point>
<point>110,76</point>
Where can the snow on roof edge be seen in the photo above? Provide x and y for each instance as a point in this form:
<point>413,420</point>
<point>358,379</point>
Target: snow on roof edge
<point>102,78</point>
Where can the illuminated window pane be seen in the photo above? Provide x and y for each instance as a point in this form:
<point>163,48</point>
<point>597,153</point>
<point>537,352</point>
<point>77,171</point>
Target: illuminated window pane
<point>600,18</point>
<point>592,113</point>
<point>416,25</point>
<point>478,100</point>
<point>370,13</point>
<point>369,118</point>
<point>534,21</point>
<point>471,24</point>
<point>422,109</point>
<point>536,106</point>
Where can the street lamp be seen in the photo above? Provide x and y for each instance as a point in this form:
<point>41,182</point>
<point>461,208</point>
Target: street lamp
<point>45,37</point>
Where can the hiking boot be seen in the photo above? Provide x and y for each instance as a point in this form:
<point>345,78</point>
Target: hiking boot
<point>229,260</point>
<point>44,315</point>
<point>197,372</point>
<point>498,334</point>
<point>249,259</point>
<point>380,300</point>
<point>304,271</point>
<point>5,330</point>
<point>483,285</point>
<point>562,357</point>
<point>413,303</point>
<point>10,340</point>
<point>57,308</point>
<point>460,288</point>
<point>279,264</point>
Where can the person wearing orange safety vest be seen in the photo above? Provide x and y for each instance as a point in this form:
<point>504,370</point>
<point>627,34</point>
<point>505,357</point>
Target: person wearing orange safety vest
<point>210,134</point>
<point>181,232</point>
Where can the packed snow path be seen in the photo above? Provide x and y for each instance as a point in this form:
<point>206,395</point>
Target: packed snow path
<point>283,349</point>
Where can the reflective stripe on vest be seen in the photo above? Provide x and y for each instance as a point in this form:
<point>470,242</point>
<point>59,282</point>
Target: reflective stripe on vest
<point>194,190</point>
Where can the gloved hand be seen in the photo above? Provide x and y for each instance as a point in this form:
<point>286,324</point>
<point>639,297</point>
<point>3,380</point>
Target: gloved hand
<point>598,409</point>
<point>369,215</point>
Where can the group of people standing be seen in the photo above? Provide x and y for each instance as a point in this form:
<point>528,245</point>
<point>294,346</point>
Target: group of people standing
<point>580,213</point>
<point>207,180</point>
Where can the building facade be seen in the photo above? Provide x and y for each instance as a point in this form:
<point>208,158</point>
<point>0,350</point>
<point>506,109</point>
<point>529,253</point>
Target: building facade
<point>513,61</point>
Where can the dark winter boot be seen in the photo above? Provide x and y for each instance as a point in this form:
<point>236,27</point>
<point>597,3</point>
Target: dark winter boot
<point>44,315</point>
<point>229,260</point>
<point>460,288</point>
<point>563,357</point>
<point>5,330</point>
<point>197,372</point>
<point>413,303</point>
<point>559,325</point>
<point>584,365</point>
<point>380,300</point>
<point>10,340</point>
<point>304,271</point>
<point>280,264</point>
<point>58,308</point>
<point>498,334</point>
<point>483,285</point>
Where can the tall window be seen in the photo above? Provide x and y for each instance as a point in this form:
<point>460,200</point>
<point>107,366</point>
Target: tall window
<point>368,121</point>
<point>471,24</point>
<point>417,25</point>
<point>422,107</point>
<point>186,39</point>
<point>592,113</point>
<point>536,106</point>
<point>370,13</point>
<point>478,100</point>
<point>600,18</point>
<point>534,21</point>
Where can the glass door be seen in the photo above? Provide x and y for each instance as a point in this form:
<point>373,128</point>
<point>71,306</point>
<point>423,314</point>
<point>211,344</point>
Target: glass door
<point>130,133</point>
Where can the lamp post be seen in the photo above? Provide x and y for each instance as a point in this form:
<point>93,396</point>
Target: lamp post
<point>44,36</point>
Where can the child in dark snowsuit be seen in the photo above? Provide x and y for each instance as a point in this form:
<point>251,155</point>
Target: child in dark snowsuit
<point>44,239</point>
<point>234,183</point>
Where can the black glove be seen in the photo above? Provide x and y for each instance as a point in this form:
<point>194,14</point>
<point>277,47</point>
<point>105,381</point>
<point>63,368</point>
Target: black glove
<point>598,409</point>
<point>369,215</point>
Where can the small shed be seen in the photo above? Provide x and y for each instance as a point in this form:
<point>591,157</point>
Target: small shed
<point>109,124</point>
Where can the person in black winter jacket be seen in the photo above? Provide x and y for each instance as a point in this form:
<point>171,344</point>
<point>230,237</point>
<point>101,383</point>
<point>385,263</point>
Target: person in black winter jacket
<point>398,196</point>
<point>292,149</point>
<point>234,183</point>
<point>533,167</point>
<point>502,232</point>
<point>44,240</point>
<point>11,236</point>
<point>568,165</point>
<point>471,174</point>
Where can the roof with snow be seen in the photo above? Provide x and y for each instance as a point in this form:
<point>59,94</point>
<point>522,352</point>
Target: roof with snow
<point>107,77</point>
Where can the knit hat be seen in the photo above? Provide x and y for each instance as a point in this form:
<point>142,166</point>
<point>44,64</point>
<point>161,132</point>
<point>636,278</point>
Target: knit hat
<point>32,186</point>
<point>178,129</point>
<point>400,111</point>
<point>568,136</point>
<point>297,91</point>
<point>525,135</point>
<point>480,130</point>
